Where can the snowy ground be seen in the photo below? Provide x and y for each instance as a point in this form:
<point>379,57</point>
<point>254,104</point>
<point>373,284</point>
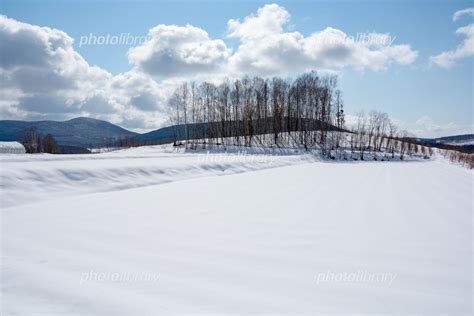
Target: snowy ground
<point>151,231</point>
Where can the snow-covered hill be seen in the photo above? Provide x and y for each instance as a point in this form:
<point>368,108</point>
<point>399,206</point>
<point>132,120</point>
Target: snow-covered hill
<point>117,233</point>
<point>79,132</point>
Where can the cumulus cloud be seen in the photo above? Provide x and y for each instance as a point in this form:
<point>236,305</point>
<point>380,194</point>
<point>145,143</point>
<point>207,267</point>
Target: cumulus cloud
<point>448,58</point>
<point>266,48</point>
<point>42,76</point>
<point>46,104</point>
<point>42,71</point>
<point>99,104</point>
<point>176,50</point>
<point>145,101</point>
<point>269,19</point>
<point>140,99</point>
<point>35,59</point>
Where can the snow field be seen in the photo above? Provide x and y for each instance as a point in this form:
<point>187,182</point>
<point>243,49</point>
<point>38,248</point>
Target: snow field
<point>285,240</point>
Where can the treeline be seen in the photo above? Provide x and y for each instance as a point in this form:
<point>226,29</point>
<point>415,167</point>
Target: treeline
<point>243,111</point>
<point>127,142</point>
<point>34,142</point>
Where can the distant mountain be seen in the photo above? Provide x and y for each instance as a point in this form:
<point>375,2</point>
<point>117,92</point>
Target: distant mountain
<point>79,132</point>
<point>457,142</point>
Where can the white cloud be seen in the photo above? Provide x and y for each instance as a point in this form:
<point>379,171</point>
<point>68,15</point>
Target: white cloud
<point>458,14</point>
<point>425,126</point>
<point>265,47</point>
<point>268,20</point>
<point>140,98</point>
<point>43,77</point>
<point>448,58</point>
<point>41,70</point>
<point>402,54</point>
<point>176,50</point>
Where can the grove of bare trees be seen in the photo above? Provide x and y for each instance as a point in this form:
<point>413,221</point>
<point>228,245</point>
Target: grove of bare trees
<point>34,142</point>
<point>376,135</point>
<point>307,112</point>
<point>464,159</point>
<point>256,110</point>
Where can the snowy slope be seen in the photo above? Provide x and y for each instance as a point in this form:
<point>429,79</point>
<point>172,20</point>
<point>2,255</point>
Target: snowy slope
<point>278,240</point>
<point>31,178</point>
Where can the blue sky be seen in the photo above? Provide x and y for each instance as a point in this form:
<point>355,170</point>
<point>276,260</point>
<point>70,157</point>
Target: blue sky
<point>438,98</point>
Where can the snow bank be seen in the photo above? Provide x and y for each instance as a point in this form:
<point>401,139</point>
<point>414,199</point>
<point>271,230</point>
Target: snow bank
<point>11,148</point>
<point>33,178</point>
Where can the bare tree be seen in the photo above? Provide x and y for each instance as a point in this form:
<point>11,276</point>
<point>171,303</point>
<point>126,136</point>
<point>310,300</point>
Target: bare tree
<point>50,145</point>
